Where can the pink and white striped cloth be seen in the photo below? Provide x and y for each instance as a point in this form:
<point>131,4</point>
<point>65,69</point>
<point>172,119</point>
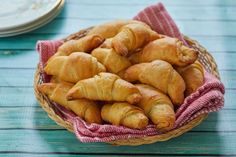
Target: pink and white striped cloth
<point>208,98</point>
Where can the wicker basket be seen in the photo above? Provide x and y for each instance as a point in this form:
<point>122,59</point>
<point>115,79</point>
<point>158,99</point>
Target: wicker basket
<point>204,57</point>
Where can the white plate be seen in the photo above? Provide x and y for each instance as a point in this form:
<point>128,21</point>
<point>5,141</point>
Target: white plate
<point>34,25</point>
<point>16,13</point>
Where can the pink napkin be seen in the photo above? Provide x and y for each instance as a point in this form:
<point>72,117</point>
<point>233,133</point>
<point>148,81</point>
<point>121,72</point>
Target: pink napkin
<point>208,98</point>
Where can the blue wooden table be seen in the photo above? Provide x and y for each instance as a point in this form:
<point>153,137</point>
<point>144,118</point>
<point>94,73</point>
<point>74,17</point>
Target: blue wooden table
<point>26,130</point>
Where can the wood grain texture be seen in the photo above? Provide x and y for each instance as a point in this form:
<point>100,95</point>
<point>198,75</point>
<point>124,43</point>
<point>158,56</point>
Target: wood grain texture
<point>78,154</point>
<point>34,118</point>
<point>148,2</point>
<point>205,12</point>
<point>64,141</point>
<point>26,129</point>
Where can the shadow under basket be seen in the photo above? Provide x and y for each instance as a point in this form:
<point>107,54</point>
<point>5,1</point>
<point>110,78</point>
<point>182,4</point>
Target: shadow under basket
<point>204,57</point>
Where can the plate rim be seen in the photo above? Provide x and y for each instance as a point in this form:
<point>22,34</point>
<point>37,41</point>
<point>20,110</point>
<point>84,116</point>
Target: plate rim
<point>57,3</point>
<point>36,25</point>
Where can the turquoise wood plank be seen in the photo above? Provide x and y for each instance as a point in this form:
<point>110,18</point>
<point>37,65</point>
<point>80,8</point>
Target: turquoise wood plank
<point>64,141</point>
<point>8,77</point>
<point>166,2</point>
<point>36,118</point>
<point>18,59</point>
<point>225,60</point>
<point>187,27</point>
<point>28,154</point>
<point>66,26</point>
<point>123,11</point>
<point>26,41</point>
<point>17,96</point>
<point>218,121</point>
<point>78,155</point>
<point>27,118</point>
<point>216,44</point>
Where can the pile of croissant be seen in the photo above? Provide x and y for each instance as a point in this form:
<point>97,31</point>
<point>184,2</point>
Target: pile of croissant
<point>123,73</point>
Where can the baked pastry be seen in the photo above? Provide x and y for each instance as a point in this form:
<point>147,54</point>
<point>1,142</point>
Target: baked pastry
<point>159,74</point>
<point>124,114</point>
<point>157,106</point>
<point>168,49</point>
<point>113,62</point>
<point>110,29</point>
<point>107,87</point>
<point>84,108</point>
<point>75,67</point>
<point>132,37</point>
<point>85,44</point>
<point>193,76</point>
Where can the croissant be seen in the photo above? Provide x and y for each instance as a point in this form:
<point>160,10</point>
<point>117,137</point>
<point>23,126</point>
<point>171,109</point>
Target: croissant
<point>168,49</point>
<point>107,43</point>
<point>75,67</point>
<point>113,62</point>
<point>110,29</point>
<point>161,75</point>
<point>124,114</point>
<point>107,87</point>
<point>157,106</point>
<point>193,76</point>
<point>86,109</point>
<point>85,44</point>
<point>132,37</point>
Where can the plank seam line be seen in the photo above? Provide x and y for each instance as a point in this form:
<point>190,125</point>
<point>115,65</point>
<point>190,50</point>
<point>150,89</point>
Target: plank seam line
<point>92,153</point>
<point>145,4</point>
<point>177,19</point>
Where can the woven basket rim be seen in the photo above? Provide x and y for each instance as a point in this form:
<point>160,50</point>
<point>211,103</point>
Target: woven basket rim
<point>45,102</point>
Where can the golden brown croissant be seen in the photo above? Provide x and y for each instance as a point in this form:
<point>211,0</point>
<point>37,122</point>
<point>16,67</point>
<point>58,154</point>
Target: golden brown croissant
<point>193,76</point>
<point>132,37</point>
<point>168,49</point>
<point>107,87</point>
<point>124,114</point>
<point>55,79</point>
<point>86,109</point>
<point>161,75</point>
<point>113,62</point>
<point>157,106</point>
<point>110,29</point>
<point>75,67</point>
<point>85,44</point>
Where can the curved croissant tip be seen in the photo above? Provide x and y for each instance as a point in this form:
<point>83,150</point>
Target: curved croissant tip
<point>142,121</point>
<point>98,39</point>
<point>69,96</point>
<point>119,47</point>
<point>195,53</point>
<point>165,124</point>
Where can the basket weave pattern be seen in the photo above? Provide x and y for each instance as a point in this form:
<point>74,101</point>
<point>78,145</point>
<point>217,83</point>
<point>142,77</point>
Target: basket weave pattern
<point>204,57</point>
